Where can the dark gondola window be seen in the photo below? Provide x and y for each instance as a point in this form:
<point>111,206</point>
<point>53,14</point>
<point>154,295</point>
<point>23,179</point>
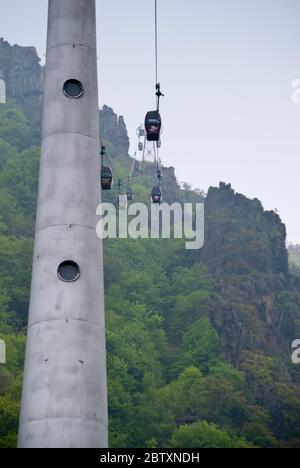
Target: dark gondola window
<point>73,89</point>
<point>68,271</point>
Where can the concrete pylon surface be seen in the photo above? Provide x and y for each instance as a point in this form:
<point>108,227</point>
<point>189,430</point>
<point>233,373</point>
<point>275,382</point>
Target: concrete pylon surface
<point>64,402</point>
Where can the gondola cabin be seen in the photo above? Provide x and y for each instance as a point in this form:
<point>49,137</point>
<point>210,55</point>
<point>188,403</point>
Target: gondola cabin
<point>156,195</point>
<point>153,125</point>
<point>141,146</point>
<point>106,178</point>
<point>130,194</point>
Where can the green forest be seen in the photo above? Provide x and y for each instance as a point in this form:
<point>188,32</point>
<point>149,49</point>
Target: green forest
<point>198,342</point>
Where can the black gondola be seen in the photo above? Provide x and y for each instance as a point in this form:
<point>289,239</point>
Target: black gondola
<point>153,125</point>
<point>130,194</point>
<point>106,178</point>
<point>156,195</point>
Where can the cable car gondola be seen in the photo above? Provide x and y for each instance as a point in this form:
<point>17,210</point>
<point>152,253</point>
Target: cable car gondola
<point>156,195</point>
<point>130,194</point>
<point>106,178</point>
<point>153,125</point>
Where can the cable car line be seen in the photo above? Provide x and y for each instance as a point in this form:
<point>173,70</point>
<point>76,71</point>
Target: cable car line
<point>130,191</point>
<point>151,151</point>
<point>108,174</point>
<point>157,84</point>
<point>106,171</point>
<point>151,133</point>
<point>132,169</point>
<point>119,185</point>
<point>153,118</point>
<point>156,44</point>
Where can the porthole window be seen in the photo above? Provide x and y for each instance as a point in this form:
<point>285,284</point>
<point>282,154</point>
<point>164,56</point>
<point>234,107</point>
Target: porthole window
<point>68,271</point>
<point>73,89</point>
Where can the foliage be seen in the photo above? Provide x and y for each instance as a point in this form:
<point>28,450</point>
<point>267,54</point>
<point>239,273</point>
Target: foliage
<point>203,435</point>
<point>197,344</point>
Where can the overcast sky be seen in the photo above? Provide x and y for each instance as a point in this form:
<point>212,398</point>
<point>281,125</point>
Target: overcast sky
<point>226,67</point>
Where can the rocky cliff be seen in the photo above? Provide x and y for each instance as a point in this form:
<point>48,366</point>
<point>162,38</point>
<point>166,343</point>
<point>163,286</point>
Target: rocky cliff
<point>22,71</point>
<point>232,216</point>
<point>114,131</point>
<point>245,251</point>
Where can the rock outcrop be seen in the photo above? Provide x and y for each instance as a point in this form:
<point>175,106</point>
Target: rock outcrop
<point>245,252</point>
<point>241,236</point>
<point>22,71</point>
<point>114,131</point>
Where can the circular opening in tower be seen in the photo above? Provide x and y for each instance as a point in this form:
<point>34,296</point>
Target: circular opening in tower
<point>68,271</point>
<point>73,89</point>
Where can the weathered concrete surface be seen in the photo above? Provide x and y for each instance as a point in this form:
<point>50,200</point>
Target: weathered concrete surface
<point>64,401</point>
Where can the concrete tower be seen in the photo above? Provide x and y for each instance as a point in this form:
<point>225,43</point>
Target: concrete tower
<point>2,89</point>
<point>64,401</point>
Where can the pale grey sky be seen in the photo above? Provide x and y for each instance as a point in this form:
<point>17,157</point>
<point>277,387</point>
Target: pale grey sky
<point>226,67</point>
